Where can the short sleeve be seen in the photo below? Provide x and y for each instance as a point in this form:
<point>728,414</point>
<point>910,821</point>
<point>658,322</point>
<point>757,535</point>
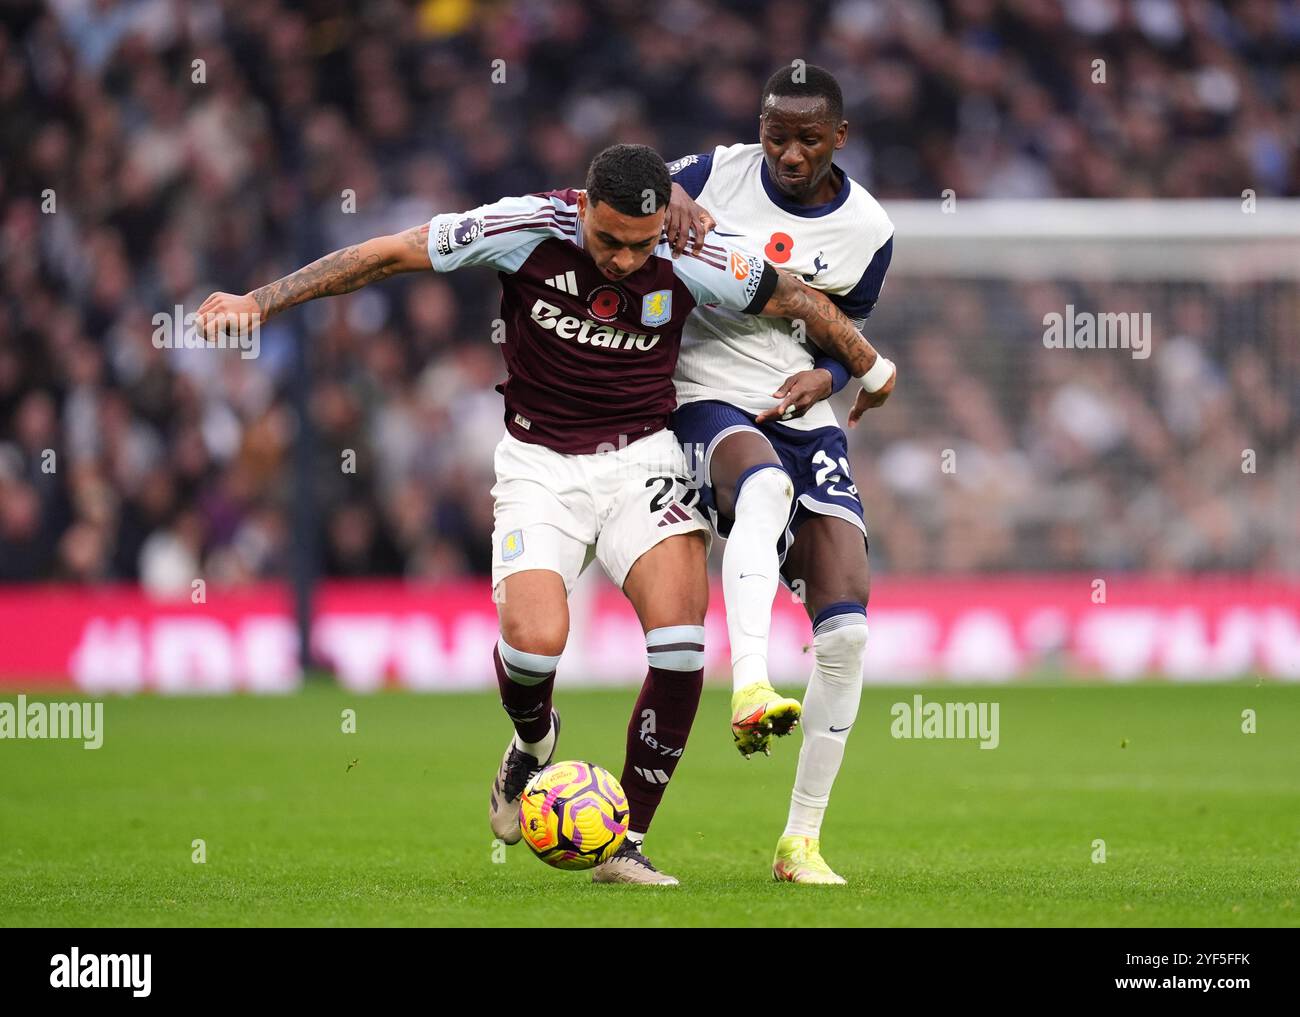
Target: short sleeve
<point>859,302</point>
<point>692,172</point>
<point>725,273</point>
<point>501,234</point>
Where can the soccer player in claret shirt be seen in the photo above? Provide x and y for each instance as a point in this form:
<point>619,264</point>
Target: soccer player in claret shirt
<point>593,304</point>
<point>779,483</point>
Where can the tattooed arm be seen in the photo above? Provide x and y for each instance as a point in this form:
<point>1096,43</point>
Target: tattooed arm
<point>830,329</point>
<point>340,272</point>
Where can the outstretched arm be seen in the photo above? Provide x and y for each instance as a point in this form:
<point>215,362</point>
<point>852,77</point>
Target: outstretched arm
<point>340,272</point>
<point>829,328</point>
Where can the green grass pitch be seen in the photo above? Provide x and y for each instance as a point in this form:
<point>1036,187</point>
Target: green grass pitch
<point>306,825</point>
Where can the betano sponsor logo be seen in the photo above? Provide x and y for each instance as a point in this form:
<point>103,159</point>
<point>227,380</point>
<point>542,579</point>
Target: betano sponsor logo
<point>588,332</point>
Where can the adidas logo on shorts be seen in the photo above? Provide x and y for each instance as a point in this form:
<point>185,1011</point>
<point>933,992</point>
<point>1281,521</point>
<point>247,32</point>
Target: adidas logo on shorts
<point>675,514</point>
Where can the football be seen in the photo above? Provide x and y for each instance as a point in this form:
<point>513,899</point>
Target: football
<point>573,815</point>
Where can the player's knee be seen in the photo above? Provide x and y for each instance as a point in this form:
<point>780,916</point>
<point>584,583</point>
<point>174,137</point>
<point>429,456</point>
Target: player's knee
<point>688,611</point>
<point>763,497</point>
<point>542,636</point>
<point>852,588</point>
<point>840,641</point>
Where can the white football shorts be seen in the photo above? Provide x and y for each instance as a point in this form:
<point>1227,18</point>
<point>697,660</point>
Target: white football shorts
<point>557,512</point>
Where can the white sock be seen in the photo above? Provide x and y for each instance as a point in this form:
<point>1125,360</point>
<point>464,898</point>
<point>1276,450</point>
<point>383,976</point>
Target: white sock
<point>830,708</point>
<point>541,750</point>
<point>762,511</point>
<point>636,838</point>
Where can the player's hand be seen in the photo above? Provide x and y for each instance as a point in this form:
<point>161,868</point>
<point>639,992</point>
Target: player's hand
<point>870,400</point>
<point>797,393</point>
<point>226,314</point>
<point>686,219</point>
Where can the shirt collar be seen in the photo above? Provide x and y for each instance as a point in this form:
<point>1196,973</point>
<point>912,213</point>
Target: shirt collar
<point>806,211</point>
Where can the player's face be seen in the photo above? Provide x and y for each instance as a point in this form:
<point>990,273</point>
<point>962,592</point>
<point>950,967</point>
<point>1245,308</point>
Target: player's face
<point>619,244</point>
<point>799,141</point>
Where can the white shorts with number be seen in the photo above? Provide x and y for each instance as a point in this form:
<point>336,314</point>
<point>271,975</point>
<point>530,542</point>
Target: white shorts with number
<point>557,512</point>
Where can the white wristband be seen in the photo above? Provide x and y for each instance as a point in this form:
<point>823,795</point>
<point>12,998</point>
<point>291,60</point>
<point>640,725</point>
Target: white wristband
<point>880,373</point>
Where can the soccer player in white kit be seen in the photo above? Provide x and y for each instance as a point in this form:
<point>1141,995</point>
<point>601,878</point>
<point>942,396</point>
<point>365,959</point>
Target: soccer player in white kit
<point>777,478</point>
<point>593,306</point>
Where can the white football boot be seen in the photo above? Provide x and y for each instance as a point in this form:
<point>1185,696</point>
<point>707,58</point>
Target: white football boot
<point>517,769</point>
<point>629,865</point>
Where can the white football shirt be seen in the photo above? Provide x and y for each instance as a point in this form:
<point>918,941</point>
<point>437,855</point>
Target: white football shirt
<point>842,248</point>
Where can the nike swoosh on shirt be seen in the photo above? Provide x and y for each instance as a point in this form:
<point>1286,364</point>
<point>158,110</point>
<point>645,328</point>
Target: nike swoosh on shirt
<point>837,730</point>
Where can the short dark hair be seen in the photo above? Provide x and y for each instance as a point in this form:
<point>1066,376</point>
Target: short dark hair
<point>817,83</point>
<point>621,175</point>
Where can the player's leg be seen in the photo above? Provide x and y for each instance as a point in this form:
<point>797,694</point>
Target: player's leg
<point>829,555</point>
<point>533,611</point>
<point>538,551</point>
<point>534,615</point>
<point>654,545</point>
<point>752,488</point>
<point>751,494</point>
<point>669,588</point>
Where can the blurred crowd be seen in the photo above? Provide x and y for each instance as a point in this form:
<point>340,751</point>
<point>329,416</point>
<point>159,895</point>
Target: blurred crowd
<point>155,151</point>
<point>997,453</point>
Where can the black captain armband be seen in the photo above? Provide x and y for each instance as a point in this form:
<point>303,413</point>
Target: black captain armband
<point>766,287</point>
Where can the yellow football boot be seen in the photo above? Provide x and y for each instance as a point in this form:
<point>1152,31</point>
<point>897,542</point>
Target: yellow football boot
<point>758,711</point>
<point>799,860</point>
